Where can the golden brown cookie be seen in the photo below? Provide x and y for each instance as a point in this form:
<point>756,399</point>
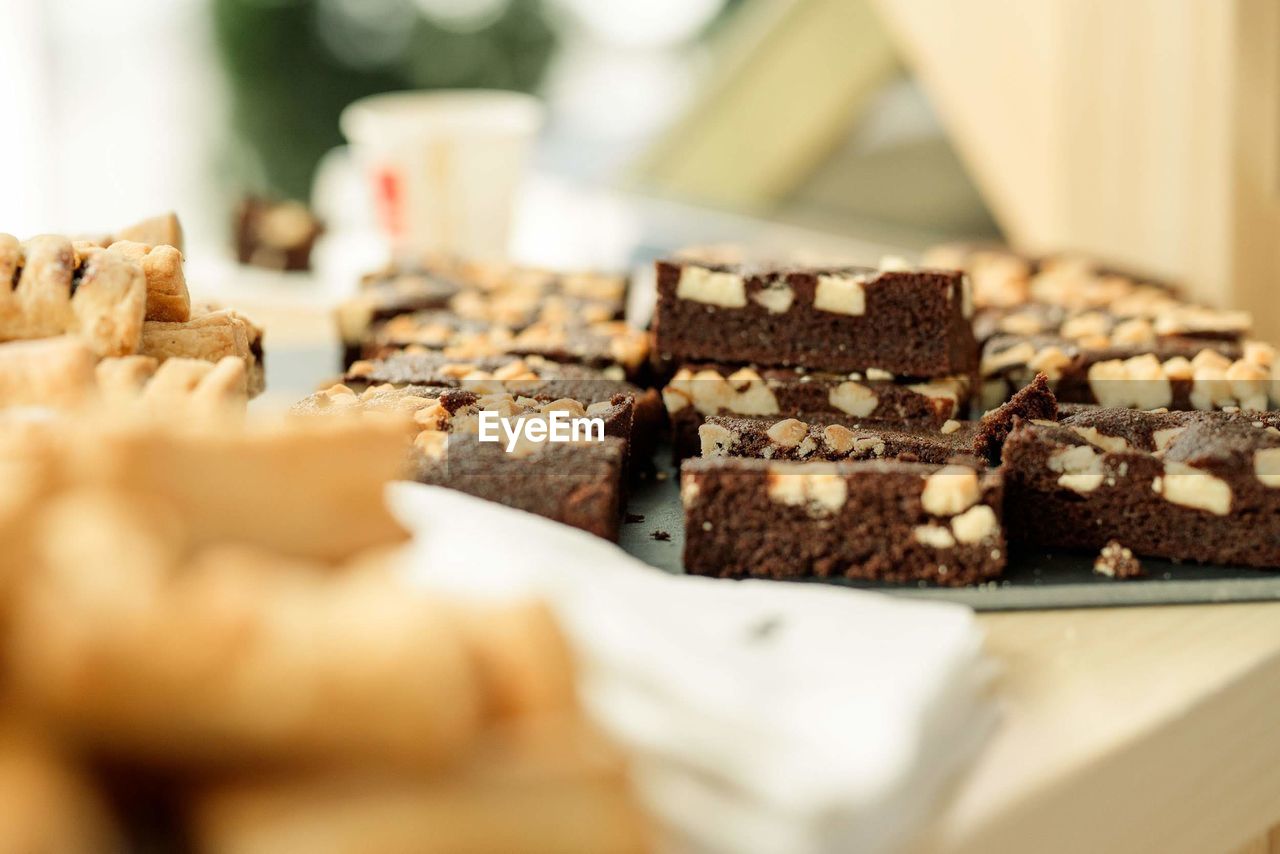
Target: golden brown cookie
<point>53,287</point>
<point>162,230</point>
<point>152,651</point>
<point>167,296</point>
<point>210,334</point>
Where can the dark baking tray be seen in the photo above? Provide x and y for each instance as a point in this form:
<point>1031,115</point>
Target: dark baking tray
<point>1033,580</point>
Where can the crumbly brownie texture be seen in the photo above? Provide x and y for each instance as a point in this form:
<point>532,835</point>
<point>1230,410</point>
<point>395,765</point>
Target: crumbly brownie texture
<point>884,521</point>
<point>702,389</point>
<point>1117,561</point>
<point>1035,402</point>
<point>909,323</point>
<point>1172,373</point>
<point>275,235</point>
<point>599,344</point>
<point>211,335</point>
<point>576,484</point>
<point>49,287</point>
<point>1195,486</point>
<point>795,439</point>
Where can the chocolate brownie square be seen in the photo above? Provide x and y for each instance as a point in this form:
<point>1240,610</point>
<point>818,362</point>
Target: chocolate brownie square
<point>885,520</point>
<point>1145,372</point>
<point>824,439</point>
<point>1198,486</point>
<point>700,389</point>
<point>906,322</point>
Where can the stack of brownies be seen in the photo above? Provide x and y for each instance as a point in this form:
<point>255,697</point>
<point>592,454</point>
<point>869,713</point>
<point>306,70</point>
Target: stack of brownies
<point>829,406</point>
<point>826,403</point>
<point>451,341</point>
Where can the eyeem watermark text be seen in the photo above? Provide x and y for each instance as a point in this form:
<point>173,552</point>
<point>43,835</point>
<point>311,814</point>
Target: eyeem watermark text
<point>554,426</point>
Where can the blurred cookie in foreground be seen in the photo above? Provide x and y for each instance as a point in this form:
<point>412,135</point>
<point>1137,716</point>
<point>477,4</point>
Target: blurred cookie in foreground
<point>47,802</point>
<point>306,488</point>
<point>143,645</point>
<point>62,374</point>
<point>210,334</point>
<point>275,235</point>
<point>556,788</point>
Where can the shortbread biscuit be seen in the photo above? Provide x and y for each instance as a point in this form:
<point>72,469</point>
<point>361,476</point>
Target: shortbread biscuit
<point>49,287</point>
<point>167,296</point>
<point>210,334</point>
<point>53,372</point>
<point>229,656</point>
<point>162,230</point>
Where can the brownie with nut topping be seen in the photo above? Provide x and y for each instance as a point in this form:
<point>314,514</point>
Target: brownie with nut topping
<point>907,322</point>
<point>1140,318</point>
<point>799,440</point>
<point>579,485</point>
<point>701,389</point>
<point>1194,486</point>
<point>495,294</point>
<point>1143,372</point>
<point>885,520</point>
<point>595,344</point>
<point>825,439</point>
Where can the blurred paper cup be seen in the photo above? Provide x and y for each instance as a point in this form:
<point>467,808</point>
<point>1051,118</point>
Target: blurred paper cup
<point>444,167</point>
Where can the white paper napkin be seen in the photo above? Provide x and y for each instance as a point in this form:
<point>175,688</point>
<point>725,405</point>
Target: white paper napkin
<point>763,716</point>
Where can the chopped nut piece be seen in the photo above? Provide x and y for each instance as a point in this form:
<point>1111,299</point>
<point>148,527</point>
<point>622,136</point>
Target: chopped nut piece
<point>788,433</point>
<point>950,490</point>
<point>1117,561</point>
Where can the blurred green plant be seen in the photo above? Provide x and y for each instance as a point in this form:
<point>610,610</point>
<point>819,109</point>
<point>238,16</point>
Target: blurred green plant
<point>294,64</point>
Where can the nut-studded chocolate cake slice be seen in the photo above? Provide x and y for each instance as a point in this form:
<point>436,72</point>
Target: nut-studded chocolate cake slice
<point>878,521</point>
<point>1138,370</point>
<point>501,295</point>
<point>821,438</point>
<point>840,319</point>
<point>1126,321</point>
<point>800,440</point>
<point>1199,486</point>
<point>699,390</point>
<point>598,344</point>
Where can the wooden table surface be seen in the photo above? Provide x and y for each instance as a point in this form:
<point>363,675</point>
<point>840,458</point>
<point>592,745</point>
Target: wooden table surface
<point>1127,730</point>
<point>1123,729</point>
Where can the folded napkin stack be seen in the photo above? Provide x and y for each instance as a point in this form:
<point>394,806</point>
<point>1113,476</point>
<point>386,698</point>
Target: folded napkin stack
<point>760,716</point>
